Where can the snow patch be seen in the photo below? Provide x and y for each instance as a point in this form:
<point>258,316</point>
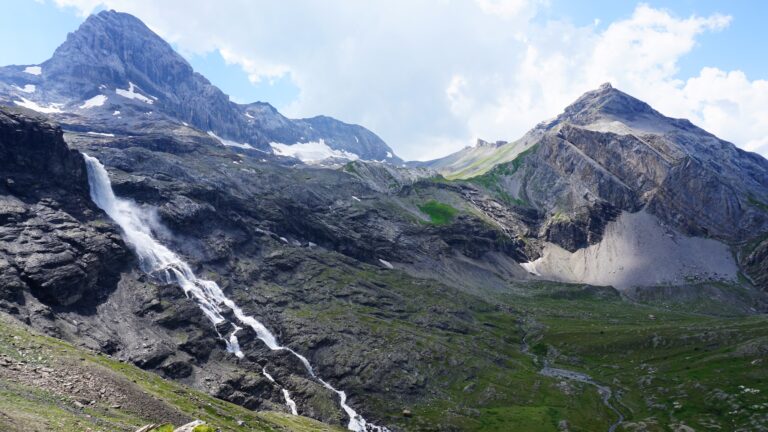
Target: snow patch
<point>131,93</point>
<point>230,143</point>
<point>312,151</point>
<point>116,113</point>
<point>389,155</point>
<point>94,102</point>
<point>355,198</point>
<point>101,134</point>
<point>34,70</point>
<point>29,88</point>
<point>530,267</point>
<point>247,114</point>
<point>386,264</point>
<point>50,109</point>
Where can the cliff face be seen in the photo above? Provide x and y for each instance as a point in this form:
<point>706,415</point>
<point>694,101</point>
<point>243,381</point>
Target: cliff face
<point>34,155</point>
<point>52,243</point>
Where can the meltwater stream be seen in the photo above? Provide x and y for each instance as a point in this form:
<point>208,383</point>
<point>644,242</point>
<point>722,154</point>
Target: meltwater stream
<point>157,260</point>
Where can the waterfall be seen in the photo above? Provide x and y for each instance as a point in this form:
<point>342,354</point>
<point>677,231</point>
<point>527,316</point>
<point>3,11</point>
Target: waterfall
<point>286,394</point>
<point>157,260</point>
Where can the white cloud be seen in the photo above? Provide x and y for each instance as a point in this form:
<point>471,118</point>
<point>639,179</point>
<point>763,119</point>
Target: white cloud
<point>84,7</point>
<point>430,76</point>
<point>505,8</point>
<point>731,106</point>
<point>257,69</point>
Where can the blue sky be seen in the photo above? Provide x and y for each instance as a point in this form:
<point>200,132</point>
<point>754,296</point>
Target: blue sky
<point>432,76</point>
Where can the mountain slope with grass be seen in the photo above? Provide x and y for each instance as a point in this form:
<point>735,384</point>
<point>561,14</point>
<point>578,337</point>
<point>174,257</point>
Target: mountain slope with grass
<point>47,384</point>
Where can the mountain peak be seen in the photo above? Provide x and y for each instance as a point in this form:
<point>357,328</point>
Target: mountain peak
<point>607,102</point>
<point>605,86</point>
<point>114,49</point>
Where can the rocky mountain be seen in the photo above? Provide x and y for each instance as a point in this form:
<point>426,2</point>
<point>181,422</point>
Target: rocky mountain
<point>611,249</point>
<point>610,154</point>
<point>114,75</point>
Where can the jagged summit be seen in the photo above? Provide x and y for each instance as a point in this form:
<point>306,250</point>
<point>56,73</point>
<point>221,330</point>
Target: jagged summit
<point>117,48</point>
<point>114,75</point>
<point>608,103</point>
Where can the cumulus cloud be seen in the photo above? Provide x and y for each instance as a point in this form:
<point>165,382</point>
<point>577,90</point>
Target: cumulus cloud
<point>432,76</point>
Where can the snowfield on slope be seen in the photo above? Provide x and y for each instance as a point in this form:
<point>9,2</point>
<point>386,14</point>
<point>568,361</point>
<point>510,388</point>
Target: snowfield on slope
<point>230,143</point>
<point>312,151</point>
<point>94,102</point>
<point>33,70</point>
<point>131,93</point>
<point>29,88</point>
<point>28,104</point>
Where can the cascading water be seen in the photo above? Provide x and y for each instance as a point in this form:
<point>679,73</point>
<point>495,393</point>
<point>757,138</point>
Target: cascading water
<point>159,261</point>
<point>288,401</point>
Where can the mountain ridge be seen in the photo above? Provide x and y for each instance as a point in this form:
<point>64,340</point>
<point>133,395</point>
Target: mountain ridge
<point>595,110</point>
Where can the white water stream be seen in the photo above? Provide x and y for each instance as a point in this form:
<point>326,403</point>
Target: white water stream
<point>157,260</point>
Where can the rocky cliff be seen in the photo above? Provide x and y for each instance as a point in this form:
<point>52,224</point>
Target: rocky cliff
<point>53,244</point>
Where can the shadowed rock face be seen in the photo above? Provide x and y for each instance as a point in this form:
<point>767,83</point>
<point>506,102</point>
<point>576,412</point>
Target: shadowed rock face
<point>136,76</point>
<point>33,151</point>
<point>51,241</point>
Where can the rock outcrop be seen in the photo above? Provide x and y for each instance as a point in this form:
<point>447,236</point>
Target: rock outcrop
<point>54,243</point>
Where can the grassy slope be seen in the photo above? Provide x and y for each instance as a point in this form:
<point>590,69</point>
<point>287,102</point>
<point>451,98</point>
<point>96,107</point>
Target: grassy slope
<point>491,179</point>
<point>482,163</point>
<point>27,403</point>
<point>439,213</point>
